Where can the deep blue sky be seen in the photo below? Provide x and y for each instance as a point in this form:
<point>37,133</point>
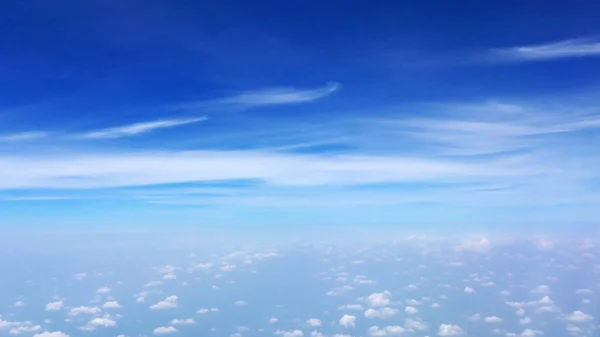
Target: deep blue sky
<point>132,113</point>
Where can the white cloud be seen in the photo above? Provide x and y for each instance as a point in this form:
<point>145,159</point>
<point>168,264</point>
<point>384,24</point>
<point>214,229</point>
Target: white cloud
<point>351,307</point>
<point>385,312</point>
<point>541,289</point>
<point>280,96</point>
<point>165,330</point>
<point>102,321</point>
<point>379,299</point>
<point>412,324</point>
<point>168,303</point>
<point>584,291</point>
<point>348,321</point>
<point>531,333</point>
<point>139,128</point>
<point>103,290</point>
<point>411,310</point>
<point>493,319</point>
<point>449,330</point>
<point>291,333</point>
<point>240,303</point>
<point>51,334</point>
<point>184,321</point>
<point>313,322</point>
<point>19,304</point>
<point>555,50</point>
<point>525,321</point>
<point>111,305</point>
<point>469,290</point>
<point>579,317</point>
<point>54,306</point>
<point>84,310</point>
<point>273,320</point>
<point>390,330</point>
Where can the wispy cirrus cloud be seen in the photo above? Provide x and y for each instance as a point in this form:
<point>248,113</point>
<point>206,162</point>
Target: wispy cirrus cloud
<point>554,50</point>
<point>23,136</point>
<point>280,96</point>
<point>139,128</point>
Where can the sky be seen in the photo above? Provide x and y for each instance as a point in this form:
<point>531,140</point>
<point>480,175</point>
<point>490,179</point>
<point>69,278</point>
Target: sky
<point>128,115</point>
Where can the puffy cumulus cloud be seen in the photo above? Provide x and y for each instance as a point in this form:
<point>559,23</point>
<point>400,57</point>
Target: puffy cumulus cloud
<point>544,244</point>
<point>51,334</point>
<point>475,317</point>
<point>103,322</point>
<point>348,321</point>
<point>469,290</point>
<point>493,319</point>
<point>273,320</point>
<point>411,310</point>
<point>449,330</point>
<point>478,245</point>
<point>169,277</point>
<point>83,310</point>
<point>530,333</point>
<point>240,303</point>
<point>413,325</point>
<point>55,306</point>
<point>111,305</point>
<point>290,333</point>
<point>584,291</point>
<point>546,300</point>
<point>525,321</point>
<point>579,317</point>
<point>379,299</point>
<point>165,330</point>
<point>339,290</point>
<point>390,330</point>
<point>153,284</point>
<point>19,304</point>
<point>24,329</point>
<point>103,290</point>
<point>184,321</point>
<point>385,312</point>
<point>313,322</point>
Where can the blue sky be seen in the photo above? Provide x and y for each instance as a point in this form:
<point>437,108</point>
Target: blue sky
<point>432,113</point>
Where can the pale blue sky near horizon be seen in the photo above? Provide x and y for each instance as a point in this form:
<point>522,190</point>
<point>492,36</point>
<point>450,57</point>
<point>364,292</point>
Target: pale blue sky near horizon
<point>179,114</point>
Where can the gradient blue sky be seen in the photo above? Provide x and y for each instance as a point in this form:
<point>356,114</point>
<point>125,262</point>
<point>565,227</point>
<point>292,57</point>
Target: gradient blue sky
<point>419,113</point>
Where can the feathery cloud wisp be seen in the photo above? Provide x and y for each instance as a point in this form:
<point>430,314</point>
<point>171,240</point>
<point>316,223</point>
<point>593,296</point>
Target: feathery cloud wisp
<point>139,128</point>
<point>555,50</point>
<point>280,96</point>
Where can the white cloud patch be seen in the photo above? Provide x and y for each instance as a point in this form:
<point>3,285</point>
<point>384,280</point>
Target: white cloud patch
<point>23,136</point>
<point>184,321</point>
<point>579,317</point>
<point>165,330</point>
<point>112,305</point>
<point>55,306</point>
<point>291,333</point>
<point>314,322</point>
<point>385,312</point>
<point>51,334</point>
<point>168,303</point>
<point>379,299</point>
<point>347,321</point>
<point>390,330</point>
<point>447,330</point>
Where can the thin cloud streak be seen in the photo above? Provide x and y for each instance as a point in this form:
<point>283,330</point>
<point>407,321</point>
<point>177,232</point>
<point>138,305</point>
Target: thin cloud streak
<point>139,128</point>
<point>556,50</point>
<point>23,136</point>
<point>280,96</point>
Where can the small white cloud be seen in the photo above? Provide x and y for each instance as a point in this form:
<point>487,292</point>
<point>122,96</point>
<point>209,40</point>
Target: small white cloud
<point>19,304</point>
<point>103,290</point>
<point>555,50</point>
<point>111,305</point>
<point>273,320</point>
<point>291,333</point>
<point>542,289</point>
<point>83,310</point>
<point>584,291</point>
<point>579,317</point>
<point>469,290</point>
<point>240,303</point>
<point>390,330</point>
<point>385,312</point>
<point>411,310</point>
<point>51,334</point>
<point>184,321</point>
<point>348,321</point>
<point>379,299</point>
<point>165,330</point>
<point>103,322</point>
<point>54,306</point>
<point>415,325</point>
<point>202,311</point>
<point>525,321</point>
<point>449,330</point>
<point>169,277</point>
<point>479,245</point>
<point>153,284</point>
<point>313,322</point>
<point>168,303</point>
<point>351,307</point>
<point>23,136</point>
<point>493,319</point>
<point>280,96</point>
